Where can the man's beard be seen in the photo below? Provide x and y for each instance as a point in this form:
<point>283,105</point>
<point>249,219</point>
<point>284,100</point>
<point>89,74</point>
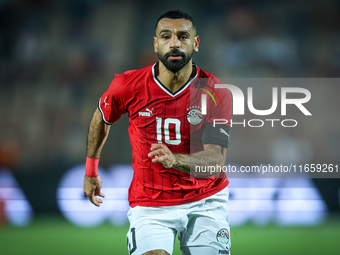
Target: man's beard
<point>174,65</point>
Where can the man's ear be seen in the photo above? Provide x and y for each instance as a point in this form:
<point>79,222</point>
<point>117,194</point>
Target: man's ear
<point>196,43</point>
<point>155,44</point>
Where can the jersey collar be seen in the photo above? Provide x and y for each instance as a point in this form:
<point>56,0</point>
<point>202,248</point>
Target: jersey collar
<point>166,90</point>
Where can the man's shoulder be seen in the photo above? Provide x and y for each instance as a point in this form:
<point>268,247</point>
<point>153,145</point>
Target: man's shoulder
<point>205,74</point>
<point>206,78</point>
<point>209,80</point>
<point>130,80</point>
<point>132,74</point>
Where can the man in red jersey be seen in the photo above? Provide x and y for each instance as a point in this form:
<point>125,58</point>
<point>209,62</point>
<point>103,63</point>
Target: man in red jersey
<point>170,138</point>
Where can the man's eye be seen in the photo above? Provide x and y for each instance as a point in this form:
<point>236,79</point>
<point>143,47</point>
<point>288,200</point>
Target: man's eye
<point>165,37</point>
<point>183,37</point>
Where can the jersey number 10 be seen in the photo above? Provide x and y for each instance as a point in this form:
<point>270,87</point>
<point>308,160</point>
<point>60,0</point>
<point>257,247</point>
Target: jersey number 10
<point>166,126</point>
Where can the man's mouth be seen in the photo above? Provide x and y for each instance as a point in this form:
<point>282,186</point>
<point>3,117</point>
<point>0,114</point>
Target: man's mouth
<point>175,56</point>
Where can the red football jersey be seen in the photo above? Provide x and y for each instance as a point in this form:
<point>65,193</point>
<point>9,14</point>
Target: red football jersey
<point>175,119</point>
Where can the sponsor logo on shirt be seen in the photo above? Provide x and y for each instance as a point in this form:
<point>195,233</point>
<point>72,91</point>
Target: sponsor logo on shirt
<point>147,112</point>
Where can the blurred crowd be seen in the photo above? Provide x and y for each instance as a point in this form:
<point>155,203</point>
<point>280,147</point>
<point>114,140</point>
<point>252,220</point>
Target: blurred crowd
<point>58,57</point>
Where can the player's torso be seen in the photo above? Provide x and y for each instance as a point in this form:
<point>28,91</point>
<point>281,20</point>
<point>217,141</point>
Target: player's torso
<point>159,116</point>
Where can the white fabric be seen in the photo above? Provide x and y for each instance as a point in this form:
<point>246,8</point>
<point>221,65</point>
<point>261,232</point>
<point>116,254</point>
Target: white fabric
<point>197,224</point>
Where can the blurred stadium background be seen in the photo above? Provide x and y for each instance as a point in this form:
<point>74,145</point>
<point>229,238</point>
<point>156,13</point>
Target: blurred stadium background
<point>58,57</point>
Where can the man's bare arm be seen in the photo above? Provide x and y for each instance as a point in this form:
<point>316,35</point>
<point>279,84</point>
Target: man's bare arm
<point>98,133</point>
<point>212,155</point>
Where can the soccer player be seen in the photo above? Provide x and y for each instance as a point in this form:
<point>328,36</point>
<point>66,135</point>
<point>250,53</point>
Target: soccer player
<point>171,136</point>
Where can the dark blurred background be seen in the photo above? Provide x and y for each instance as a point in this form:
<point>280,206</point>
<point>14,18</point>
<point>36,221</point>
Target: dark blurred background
<point>58,57</point>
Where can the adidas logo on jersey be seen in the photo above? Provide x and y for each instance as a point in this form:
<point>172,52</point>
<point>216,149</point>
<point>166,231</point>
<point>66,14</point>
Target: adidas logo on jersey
<point>147,112</point>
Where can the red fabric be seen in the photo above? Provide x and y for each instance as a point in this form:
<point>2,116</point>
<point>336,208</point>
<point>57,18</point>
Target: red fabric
<point>156,115</point>
<point>91,167</point>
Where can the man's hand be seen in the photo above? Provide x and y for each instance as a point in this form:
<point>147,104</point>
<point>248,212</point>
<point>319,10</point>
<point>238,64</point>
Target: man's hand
<point>212,155</point>
<point>162,154</point>
<point>92,186</point>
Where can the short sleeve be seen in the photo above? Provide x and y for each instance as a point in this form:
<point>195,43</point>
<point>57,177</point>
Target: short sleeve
<point>112,103</point>
<point>217,127</point>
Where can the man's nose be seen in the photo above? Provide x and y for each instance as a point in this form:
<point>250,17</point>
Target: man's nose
<point>175,43</point>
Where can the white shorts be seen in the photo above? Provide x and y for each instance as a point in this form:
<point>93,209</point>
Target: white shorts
<point>202,227</point>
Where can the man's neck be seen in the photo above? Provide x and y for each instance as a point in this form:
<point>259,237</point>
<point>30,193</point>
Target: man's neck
<point>174,81</point>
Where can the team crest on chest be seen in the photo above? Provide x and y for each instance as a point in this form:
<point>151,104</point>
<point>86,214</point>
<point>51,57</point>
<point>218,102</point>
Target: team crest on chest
<point>194,115</point>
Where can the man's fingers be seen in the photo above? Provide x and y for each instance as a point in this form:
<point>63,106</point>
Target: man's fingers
<point>159,159</point>
<point>155,153</point>
<point>92,187</point>
<point>98,193</point>
<point>160,153</point>
<point>96,201</point>
<point>156,146</point>
<point>99,201</point>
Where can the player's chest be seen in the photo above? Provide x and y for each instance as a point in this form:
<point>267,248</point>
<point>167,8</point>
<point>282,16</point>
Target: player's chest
<point>171,117</point>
